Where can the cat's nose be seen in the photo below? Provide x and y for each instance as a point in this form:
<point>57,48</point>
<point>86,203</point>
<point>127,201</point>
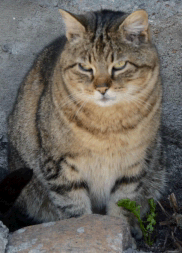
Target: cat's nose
<point>102,88</point>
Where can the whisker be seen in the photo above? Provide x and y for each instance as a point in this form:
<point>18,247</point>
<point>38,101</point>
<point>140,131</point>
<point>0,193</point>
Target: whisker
<point>138,102</point>
<point>81,107</point>
<point>72,98</point>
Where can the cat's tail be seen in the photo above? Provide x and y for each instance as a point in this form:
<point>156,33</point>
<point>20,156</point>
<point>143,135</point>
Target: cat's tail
<point>11,187</point>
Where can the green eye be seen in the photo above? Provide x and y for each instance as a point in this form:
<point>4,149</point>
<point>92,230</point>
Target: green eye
<point>85,67</point>
<point>119,65</point>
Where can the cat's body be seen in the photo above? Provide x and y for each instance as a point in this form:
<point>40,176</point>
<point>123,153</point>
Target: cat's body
<point>87,120</point>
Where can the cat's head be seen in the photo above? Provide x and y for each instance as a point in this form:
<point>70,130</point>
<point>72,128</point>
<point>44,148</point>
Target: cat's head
<point>108,58</point>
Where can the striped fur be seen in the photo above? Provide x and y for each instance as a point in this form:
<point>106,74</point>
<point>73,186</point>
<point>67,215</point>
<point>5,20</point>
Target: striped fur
<point>91,136</point>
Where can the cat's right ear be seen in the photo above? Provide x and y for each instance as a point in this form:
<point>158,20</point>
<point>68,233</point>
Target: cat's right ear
<point>74,28</point>
<point>135,27</point>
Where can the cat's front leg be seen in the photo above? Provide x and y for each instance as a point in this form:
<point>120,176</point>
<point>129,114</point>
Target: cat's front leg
<point>67,190</point>
<point>148,183</point>
<point>115,210</point>
<point>128,191</point>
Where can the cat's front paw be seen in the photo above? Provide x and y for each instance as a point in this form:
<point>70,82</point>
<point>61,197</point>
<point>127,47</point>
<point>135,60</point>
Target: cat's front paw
<point>115,210</point>
<point>135,230</point>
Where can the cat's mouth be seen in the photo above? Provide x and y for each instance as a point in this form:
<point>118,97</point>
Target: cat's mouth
<point>106,100</point>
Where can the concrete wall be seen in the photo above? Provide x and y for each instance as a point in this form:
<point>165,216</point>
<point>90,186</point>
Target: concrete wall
<point>27,26</point>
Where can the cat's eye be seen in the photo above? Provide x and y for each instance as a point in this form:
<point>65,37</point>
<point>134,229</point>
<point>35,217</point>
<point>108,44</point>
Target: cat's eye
<point>85,67</point>
<point>119,65</point>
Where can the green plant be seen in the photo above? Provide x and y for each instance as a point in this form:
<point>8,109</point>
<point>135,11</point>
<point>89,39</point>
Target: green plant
<point>147,226</point>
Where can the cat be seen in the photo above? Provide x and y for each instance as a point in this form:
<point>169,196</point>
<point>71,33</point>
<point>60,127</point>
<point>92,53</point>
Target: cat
<point>87,120</point>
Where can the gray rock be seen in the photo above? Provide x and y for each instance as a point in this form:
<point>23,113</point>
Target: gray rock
<point>3,237</point>
<point>87,234</point>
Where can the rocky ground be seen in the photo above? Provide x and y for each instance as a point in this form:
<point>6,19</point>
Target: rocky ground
<point>28,25</point>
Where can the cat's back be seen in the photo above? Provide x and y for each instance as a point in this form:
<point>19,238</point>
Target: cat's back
<point>22,120</point>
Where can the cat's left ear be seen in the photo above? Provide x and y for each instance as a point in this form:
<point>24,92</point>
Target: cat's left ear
<point>74,28</point>
<point>135,27</point>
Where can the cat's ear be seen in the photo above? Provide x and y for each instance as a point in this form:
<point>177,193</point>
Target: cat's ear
<point>136,28</point>
<point>74,28</point>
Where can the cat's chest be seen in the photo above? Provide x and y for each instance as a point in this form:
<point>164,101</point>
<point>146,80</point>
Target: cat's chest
<point>102,171</point>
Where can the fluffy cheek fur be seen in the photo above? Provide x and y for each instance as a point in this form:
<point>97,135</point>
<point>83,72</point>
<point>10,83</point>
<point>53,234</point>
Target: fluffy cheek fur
<point>77,84</point>
<point>132,87</point>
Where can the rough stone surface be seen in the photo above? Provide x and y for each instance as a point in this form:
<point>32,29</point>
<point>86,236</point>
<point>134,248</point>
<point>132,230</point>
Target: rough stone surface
<point>88,234</point>
<point>3,237</point>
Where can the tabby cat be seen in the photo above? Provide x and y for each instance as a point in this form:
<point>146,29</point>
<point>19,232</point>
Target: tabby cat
<point>87,120</point>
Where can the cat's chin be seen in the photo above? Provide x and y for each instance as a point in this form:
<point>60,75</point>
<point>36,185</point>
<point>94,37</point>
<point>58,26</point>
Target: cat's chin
<point>105,102</point>
<point>108,99</point>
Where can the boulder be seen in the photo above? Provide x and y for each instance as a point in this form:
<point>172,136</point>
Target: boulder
<point>3,237</point>
<point>89,233</point>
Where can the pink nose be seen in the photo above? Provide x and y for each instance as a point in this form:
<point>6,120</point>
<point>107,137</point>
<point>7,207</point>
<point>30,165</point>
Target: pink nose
<point>102,88</point>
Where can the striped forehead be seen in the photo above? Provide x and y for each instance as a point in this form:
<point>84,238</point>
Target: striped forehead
<point>102,43</point>
<point>99,25</point>
<point>101,47</point>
